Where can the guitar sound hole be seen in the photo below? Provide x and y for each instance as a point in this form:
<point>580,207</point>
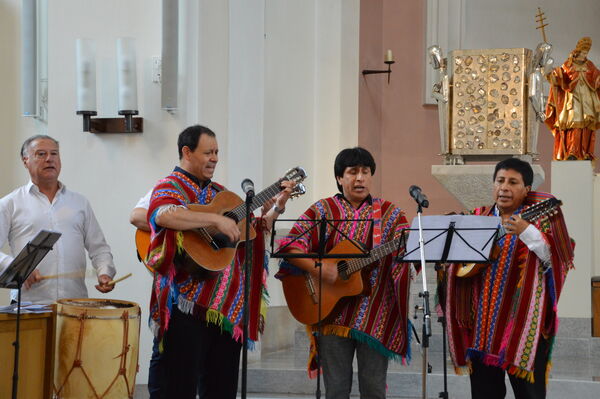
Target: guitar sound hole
<point>220,241</point>
<point>342,267</point>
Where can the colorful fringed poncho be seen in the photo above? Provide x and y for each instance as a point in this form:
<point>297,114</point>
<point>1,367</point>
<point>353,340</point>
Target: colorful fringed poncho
<point>498,315</point>
<point>217,300</point>
<point>379,319</point>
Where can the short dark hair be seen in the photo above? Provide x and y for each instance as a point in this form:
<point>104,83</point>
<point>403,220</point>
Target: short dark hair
<point>524,168</point>
<point>190,137</point>
<point>27,143</point>
<point>351,157</point>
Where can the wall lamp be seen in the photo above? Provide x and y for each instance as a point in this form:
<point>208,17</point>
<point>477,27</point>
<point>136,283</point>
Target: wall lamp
<point>389,60</point>
<point>127,89</point>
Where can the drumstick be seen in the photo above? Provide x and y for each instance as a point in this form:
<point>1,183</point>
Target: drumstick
<point>113,282</point>
<point>63,275</point>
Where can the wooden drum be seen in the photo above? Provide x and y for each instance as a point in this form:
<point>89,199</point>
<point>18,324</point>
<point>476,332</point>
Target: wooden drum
<point>97,345</point>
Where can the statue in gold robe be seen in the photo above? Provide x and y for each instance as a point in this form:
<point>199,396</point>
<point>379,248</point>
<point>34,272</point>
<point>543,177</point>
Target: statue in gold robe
<point>573,110</point>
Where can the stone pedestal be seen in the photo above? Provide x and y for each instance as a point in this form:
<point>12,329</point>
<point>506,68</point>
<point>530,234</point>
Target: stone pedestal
<point>472,184</point>
<point>573,183</point>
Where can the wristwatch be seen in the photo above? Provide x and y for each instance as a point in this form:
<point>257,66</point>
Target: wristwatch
<point>279,210</point>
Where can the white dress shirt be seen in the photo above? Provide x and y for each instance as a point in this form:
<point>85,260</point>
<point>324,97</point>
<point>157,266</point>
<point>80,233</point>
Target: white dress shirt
<point>534,240</point>
<point>26,211</point>
<point>144,202</point>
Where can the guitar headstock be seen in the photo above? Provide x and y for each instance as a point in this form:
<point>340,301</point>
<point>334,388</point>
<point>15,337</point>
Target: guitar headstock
<point>297,175</point>
<point>298,190</point>
<point>548,207</point>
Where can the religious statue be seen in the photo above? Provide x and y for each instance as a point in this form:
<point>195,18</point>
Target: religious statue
<point>441,93</point>
<point>573,110</point>
<point>540,67</point>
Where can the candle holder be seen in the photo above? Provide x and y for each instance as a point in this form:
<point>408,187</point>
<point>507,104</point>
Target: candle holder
<point>388,70</point>
<point>86,89</point>
<point>127,124</point>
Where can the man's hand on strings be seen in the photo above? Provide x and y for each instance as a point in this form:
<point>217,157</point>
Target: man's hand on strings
<point>228,227</point>
<point>329,273</point>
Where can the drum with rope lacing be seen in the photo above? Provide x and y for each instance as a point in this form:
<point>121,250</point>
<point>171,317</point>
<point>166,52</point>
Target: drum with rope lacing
<point>97,345</point>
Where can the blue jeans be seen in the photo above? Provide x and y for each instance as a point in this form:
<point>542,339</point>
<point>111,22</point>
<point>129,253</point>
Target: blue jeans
<point>337,354</point>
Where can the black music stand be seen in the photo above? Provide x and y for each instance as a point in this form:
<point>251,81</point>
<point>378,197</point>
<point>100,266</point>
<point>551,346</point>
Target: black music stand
<point>452,239</point>
<point>318,256</point>
<point>15,275</point>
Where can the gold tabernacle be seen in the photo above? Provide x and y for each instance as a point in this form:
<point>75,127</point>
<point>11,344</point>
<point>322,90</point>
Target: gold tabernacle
<point>488,101</point>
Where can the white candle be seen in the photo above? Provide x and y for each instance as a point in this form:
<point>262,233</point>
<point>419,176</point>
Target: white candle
<point>126,74</point>
<point>388,56</point>
<point>86,75</point>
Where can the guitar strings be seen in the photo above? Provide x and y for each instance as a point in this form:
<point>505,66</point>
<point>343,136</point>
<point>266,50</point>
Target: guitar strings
<point>207,233</point>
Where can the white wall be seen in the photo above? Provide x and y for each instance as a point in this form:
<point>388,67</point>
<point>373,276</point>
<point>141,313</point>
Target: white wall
<point>14,127</point>
<point>511,23</point>
<point>276,80</point>
<point>578,208</point>
<point>311,94</point>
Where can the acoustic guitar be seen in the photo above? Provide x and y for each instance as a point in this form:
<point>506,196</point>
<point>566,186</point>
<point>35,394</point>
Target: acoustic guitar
<point>302,291</point>
<point>545,208</point>
<point>210,248</point>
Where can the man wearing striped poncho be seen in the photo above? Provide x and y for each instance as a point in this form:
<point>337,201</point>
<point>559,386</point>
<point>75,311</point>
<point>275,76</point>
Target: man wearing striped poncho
<point>198,316</point>
<point>505,317</point>
<point>374,326</point>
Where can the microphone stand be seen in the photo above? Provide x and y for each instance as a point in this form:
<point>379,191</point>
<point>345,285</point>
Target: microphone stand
<point>16,343</point>
<point>472,250</point>
<point>321,254</point>
<point>247,260</point>
<point>319,332</point>
<point>425,308</point>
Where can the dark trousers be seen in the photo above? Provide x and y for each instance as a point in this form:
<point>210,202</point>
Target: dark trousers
<point>487,382</point>
<point>156,376</point>
<point>199,357</point>
<point>337,355</point>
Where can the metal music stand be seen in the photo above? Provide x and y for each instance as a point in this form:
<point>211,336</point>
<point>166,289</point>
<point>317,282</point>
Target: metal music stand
<point>318,256</point>
<point>15,275</point>
<point>452,239</point>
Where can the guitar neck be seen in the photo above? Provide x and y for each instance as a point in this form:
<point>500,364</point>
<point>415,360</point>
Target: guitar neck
<point>529,214</point>
<point>545,207</point>
<point>377,253</point>
<point>239,212</point>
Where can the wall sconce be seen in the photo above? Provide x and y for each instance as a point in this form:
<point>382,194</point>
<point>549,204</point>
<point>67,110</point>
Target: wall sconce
<point>127,88</point>
<point>389,60</point>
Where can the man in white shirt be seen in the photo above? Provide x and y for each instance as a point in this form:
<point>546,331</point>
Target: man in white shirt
<point>45,203</point>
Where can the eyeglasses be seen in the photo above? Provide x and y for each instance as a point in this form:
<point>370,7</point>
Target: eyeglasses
<point>41,155</point>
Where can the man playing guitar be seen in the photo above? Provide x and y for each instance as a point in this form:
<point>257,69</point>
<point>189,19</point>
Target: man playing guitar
<point>374,324</point>
<point>199,319</point>
<point>504,318</point>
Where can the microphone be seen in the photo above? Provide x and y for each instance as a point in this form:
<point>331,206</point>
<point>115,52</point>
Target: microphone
<point>248,187</point>
<point>415,192</point>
